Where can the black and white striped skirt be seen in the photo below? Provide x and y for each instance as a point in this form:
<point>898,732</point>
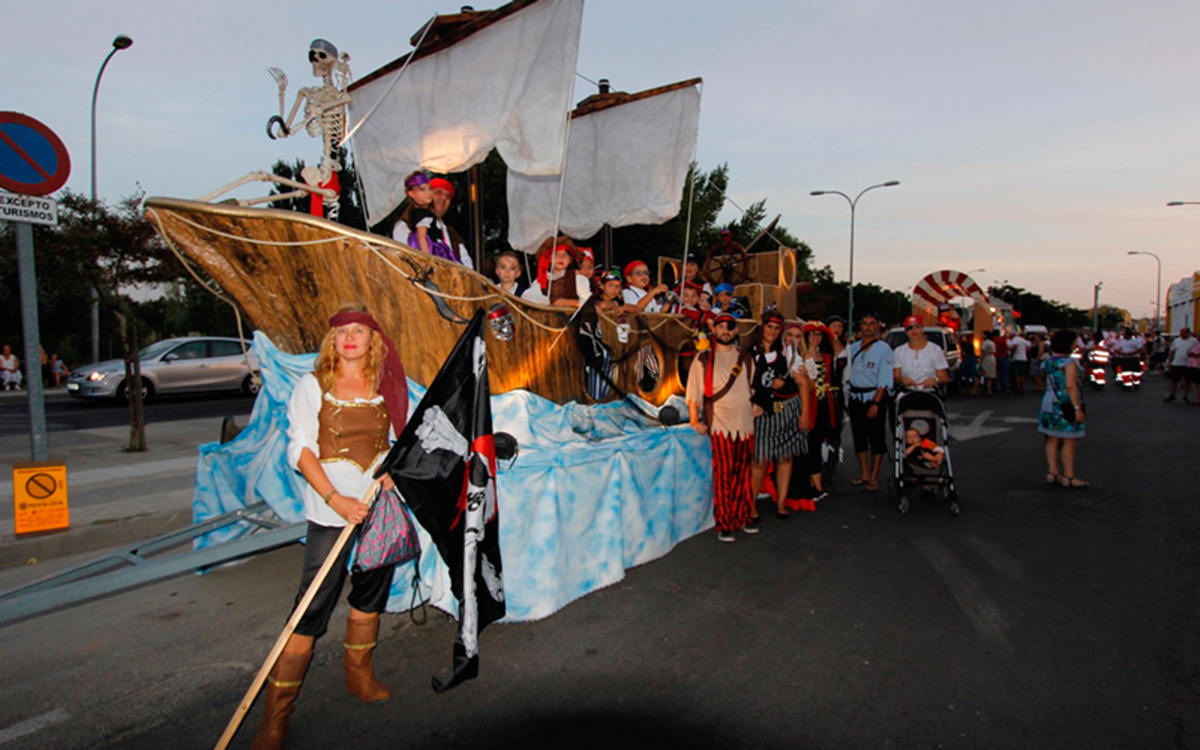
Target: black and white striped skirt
<point>777,433</point>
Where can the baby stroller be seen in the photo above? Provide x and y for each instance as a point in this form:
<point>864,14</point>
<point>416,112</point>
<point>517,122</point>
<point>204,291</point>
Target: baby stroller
<point>922,449</point>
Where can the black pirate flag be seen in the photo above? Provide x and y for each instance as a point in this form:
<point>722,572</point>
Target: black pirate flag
<point>444,466</point>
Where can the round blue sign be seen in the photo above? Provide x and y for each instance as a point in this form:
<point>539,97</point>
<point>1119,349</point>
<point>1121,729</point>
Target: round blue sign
<point>33,160</point>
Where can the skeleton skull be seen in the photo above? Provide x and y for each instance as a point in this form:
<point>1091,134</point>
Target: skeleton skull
<point>323,55</point>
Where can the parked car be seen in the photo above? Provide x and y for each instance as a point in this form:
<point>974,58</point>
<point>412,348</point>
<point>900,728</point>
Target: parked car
<point>174,366</point>
<point>943,337</point>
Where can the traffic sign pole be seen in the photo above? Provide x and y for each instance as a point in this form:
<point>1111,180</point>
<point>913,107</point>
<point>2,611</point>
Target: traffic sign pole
<point>29,326</point>
<point>33,162</point>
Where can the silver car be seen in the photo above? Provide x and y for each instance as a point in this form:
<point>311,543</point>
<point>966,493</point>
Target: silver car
<point>174,366</point>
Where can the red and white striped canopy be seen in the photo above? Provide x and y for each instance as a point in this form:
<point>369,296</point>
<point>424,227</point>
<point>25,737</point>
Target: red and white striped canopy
<point>942,286</point>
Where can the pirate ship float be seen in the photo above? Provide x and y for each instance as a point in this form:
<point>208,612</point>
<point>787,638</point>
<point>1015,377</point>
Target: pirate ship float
<point>569,171</point>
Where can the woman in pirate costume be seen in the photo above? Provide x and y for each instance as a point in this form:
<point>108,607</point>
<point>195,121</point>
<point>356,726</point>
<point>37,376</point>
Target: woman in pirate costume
<point>776,393</point>
<point>822,421</point>
<point>841,359</point>
<point>340,419</point>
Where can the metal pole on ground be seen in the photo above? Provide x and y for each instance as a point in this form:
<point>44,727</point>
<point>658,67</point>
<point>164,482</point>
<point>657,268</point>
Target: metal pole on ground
<point>29,329</point>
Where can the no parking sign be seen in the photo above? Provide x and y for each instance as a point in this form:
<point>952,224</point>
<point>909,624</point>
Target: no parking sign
<point>33,160</point>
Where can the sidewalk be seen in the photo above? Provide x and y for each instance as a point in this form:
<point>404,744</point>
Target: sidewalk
<point>116,497</point>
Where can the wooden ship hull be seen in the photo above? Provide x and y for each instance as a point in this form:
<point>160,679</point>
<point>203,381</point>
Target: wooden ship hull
<point>290,271</point>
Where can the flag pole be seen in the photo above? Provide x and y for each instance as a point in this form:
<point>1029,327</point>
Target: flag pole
<point>310,593</point>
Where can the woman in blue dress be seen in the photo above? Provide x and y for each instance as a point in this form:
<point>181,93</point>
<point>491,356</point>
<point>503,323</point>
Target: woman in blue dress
<point>1061,419</point>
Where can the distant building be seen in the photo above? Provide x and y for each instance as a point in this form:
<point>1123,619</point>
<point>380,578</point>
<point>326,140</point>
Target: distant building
<point>1183,303</point>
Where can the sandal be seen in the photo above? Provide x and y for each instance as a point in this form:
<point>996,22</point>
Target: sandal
<point>872,486</point>
<point>1051,478</point>
<point>859,482</point>
<point>1074,483</point>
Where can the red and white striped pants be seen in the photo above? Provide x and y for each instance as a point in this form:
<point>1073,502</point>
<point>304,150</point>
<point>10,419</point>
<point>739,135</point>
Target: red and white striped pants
<point>731,480</point>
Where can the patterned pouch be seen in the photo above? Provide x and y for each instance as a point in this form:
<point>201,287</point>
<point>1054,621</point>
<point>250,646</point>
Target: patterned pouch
<point>388,535</point>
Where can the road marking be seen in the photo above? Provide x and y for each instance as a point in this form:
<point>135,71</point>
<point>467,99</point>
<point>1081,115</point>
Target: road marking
<point>1020,420</point>
<point>976,429</point>
<point>1000,561</point>
<point>987,616</point>
<point>31,726</point>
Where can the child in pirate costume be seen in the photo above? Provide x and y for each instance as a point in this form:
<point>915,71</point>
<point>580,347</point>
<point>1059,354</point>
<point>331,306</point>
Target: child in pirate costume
<point>418,226</point>
<point>508,273</point>
<point>689,306</point>
<point>638,291</point>
<point>718,399</point>
<point>557,282</point>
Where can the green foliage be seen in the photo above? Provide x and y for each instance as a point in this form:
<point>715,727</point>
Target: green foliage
<point>117,250</point>
<point>832,297</point>
<point>707,199</point>
<point>349,202</point>
<point>1036,309</point>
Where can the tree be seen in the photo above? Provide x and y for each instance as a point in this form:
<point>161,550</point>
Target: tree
<point>350,212</point>
<point>1036,309</point>
<point>113,250</point>
<point>707,199</point>
<point>832,297</point>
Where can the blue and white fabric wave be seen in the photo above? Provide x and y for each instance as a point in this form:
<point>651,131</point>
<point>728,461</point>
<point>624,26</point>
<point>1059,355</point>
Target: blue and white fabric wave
<point>594,490</point>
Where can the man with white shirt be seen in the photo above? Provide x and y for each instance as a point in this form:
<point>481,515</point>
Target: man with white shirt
<point>1177,359</point>
<point>1018,352</point>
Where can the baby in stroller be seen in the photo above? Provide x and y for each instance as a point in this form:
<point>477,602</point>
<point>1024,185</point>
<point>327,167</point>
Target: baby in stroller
<point>922,452</point>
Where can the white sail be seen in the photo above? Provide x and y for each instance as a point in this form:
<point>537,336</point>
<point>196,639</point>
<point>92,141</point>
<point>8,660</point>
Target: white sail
<point>625,165</point>
<point>508,86</point>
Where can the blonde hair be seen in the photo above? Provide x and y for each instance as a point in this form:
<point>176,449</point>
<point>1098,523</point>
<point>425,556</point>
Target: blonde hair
<point>327,364</point>
<point>800,350</point>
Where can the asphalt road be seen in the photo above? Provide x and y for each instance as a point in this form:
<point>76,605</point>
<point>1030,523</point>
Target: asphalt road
<point>66,413</point>
<point>1039,618</point>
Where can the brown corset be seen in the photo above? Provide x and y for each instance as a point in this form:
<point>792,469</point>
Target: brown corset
<point>564,286</point>
<point>350,431</point>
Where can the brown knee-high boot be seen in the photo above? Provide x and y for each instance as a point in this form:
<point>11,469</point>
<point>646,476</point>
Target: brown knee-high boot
<point>361,637</point>
<point>283,685</point>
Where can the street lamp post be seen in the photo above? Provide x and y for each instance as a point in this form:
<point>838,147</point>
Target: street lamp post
<point>1157,288</point>
<point>1177,203</point>
<point>853,205</point>
<point>119,43</point>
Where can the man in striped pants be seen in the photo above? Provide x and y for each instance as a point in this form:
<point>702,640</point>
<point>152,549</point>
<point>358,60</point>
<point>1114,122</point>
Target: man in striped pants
<point>718,398</point>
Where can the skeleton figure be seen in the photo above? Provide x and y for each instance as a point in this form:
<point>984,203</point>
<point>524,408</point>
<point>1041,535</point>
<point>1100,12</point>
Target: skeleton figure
<point>324,114</point>
<point>324,118</point>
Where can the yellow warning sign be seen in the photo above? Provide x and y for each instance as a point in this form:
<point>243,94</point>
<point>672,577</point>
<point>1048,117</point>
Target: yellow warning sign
<point>40,497</point>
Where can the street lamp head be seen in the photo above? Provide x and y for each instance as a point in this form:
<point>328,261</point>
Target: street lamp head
<point>122,42</point>
<point>1175,203</point>
<point>1132,252</point>
<point>817,192</point>
<point>891,183</point>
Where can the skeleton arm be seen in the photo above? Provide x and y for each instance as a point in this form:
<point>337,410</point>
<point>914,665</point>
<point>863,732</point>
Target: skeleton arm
<point>285,125</point>
<point>281,80</point>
